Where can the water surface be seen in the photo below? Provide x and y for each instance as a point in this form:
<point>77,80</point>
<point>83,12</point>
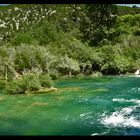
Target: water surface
<point>101,106</point>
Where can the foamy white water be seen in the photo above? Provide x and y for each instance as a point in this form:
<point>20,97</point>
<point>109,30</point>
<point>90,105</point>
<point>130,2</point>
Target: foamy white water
<point>122,118</point>
<point>124,100</point>
<point>95,134</point>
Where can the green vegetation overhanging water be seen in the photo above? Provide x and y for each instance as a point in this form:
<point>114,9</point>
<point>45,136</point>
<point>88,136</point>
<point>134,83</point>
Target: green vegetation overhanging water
<point>108,105</point>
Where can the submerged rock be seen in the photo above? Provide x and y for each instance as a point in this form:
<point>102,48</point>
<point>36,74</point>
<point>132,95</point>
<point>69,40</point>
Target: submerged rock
<point>42,90</point>
<point>47,90</point>
<point>54,89</point>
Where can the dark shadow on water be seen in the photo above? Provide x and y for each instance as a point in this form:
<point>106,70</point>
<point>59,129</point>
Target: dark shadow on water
<point>133,132</point>
<point>12,126</point>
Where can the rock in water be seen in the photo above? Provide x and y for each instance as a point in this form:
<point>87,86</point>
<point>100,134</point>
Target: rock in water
<point>137,72</point>
<point>54,89</point>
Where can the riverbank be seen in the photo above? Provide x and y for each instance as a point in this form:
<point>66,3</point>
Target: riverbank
<point>30,84</point>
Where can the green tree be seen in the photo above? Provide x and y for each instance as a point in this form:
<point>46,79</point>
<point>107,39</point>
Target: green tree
<point>99,19</point>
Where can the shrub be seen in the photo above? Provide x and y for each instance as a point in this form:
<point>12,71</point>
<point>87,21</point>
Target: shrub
<point>2,84</point>
<point>72,47</point>
<point>45,80</point>
<point>28,82</point>
<point>32,81</point>
<point>130,20</point>
<point>7,58</point>
<point>136,64</point>
<point>46,33</point>
<point>30,56</point>
<point>16,87</point>
<point>22,38</point>
<point>68,66</point>
<point>54,74</point>
<point>137,32</point>
<point>122,63</point>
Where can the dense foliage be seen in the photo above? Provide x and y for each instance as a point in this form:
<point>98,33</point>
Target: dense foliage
<point>41,43</point>
<point>99,19</point>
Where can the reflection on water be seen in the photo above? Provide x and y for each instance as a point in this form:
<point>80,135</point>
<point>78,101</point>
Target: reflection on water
<point>100,106</point>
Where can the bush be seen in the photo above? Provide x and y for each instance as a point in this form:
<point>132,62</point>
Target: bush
<point>67,65</point>
<point>130,20</point>
<point>115,60</point>
<point>45,80</point>
<point>28,82</point>
<point>54,74</point>
<point>137,32</point>
<point>46,33</point>
<point>72,47</point>
<point>124,64</point>
<point>7,58</point>
<point>32,81</point>
<point>136,64</point>
<point>16,87</point>
<point>29,57</point>
<point>2,84</point>
<point>41,35</point>
<point>22,38</point>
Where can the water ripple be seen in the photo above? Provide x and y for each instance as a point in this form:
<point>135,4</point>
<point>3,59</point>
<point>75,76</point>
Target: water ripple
<point>123,117</point>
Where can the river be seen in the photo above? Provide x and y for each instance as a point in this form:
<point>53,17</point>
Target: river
<point>108,105</point>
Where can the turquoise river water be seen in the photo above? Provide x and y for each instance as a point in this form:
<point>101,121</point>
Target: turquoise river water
<point>108,105</point>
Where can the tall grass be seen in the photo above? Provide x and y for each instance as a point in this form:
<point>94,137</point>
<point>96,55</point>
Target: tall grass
<point>27,83</point>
